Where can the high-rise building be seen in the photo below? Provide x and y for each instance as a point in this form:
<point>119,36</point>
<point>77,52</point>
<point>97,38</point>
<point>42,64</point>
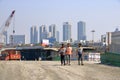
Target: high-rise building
<point>33,35</point>
<point>17,39</point>
<point>57,36</point>
<point>81,30</point>
<point>52,29</point>
<point>43,34</point>
<point>66,31</point>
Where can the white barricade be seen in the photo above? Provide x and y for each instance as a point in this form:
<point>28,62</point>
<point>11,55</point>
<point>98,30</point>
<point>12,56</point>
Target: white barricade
<point>93,57</point>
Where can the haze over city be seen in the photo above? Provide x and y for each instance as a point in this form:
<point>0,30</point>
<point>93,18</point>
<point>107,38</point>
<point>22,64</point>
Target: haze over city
<point>59,39</point>
<point>100,15</point>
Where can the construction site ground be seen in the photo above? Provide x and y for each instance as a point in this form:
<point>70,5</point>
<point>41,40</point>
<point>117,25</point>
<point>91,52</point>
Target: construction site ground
<point>52,70</point>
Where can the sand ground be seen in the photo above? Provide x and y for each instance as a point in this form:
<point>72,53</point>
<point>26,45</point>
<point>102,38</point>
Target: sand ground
<point>52,70</point>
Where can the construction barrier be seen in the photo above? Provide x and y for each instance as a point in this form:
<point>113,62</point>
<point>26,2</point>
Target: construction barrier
<point>92,57</point>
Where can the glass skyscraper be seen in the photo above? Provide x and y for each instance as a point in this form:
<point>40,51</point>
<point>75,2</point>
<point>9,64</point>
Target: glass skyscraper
<point>66,31</point>
<point>43,34</point>
<point>33,35</point>
<point>81,30</point>
<point>52,29</point>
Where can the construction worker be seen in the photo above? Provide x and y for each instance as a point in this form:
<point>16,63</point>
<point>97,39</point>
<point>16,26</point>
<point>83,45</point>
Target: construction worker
<point>62,54</point>
<point>79,52</point>
<point>68,53</point>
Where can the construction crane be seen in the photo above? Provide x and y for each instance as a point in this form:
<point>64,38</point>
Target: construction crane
<point>4,27</point>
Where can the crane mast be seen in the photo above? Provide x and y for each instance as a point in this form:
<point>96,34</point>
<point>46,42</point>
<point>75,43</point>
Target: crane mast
<point>4,28</point>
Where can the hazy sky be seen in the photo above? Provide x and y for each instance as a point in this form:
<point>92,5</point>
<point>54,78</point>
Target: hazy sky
<point>101,15</point>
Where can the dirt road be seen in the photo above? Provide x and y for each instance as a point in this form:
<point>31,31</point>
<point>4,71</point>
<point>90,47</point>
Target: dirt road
<point>52,70</point>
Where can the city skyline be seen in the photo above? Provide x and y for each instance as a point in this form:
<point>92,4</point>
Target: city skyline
<point>38,34</point>
<point>99,15</point>
<point>51,32</point>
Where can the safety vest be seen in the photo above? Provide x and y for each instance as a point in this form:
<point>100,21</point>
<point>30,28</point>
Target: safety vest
<point>68,50</point>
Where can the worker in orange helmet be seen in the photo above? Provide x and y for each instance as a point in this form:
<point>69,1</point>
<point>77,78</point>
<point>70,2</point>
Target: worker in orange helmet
<point>68,53</point>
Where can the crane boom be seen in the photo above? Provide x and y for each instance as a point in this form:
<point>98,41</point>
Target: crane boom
<point>7,23</point>
<point>5,26</point>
